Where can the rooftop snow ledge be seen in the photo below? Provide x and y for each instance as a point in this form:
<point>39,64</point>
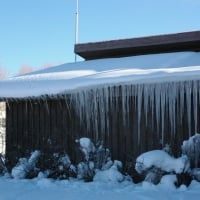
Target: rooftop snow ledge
<point>73,77</point>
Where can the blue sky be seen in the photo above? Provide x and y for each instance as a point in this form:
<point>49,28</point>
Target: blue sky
<point>38,33</point>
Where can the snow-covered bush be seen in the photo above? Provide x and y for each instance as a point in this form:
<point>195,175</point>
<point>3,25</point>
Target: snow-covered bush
<point>191,148</point>
<point>183,179</point>
<point>110,174</point>
<point>154,175</point>
<point>56,165</point>
<point>26,168</point>
<point>195,173</point>
<point>85,171</point>
<point>96,157</point>
<point>167,149</point>
<point>169,181</point>
<point>161,160</point>
<point>154,164</point>
<point>102,157</point>
<point>3,168</point>
<point>86,146</point>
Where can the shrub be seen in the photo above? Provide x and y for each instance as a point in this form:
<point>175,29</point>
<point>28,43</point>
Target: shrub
<point>96,157</point>
<point>111,173</point>
<point>154,164</point>
<point>3,168</point>
<point>26,168</point>
<point>191,148</point>
<point>56,165</point>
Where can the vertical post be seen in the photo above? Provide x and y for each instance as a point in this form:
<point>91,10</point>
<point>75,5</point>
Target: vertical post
<point>76,27</point>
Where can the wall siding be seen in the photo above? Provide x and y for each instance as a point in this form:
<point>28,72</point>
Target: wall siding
<point>53,125</point>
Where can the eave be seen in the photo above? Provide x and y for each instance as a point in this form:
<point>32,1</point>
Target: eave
<point>178,42</point>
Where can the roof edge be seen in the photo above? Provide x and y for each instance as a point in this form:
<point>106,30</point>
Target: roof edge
<point>184,41</point>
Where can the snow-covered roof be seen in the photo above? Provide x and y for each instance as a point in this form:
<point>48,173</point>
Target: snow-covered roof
<point>68,78</point>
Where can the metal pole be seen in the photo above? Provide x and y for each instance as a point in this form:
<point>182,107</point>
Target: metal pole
<point>76,27</point>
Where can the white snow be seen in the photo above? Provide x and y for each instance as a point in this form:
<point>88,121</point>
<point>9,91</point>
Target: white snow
<point>169,181</point>
<point>33,158</point>
<point>110,175</point>
<point>19,171</point>
<point>161,160</point>
<point>40,189</point>
<point>86,146</point>
<point>191,148</point>
<point>161,80</point>
<point>103,72</point>
<point>65,160</point>
<point>25,165</point>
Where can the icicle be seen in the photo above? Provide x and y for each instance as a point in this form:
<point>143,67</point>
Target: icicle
<point>47,107</point>
<point>188,103</point>
<point>107,93</point>
<point>157,106</point>
<point>8,104</point>
<point>68,107</point>
<point>26,107</point>
<point>139,108</point>
<point>124,103</point>
<point>146,103</point>
<point>182,100</point>
<point>163,106</point>
<point>152,102</point>
<point>172,95</point>
<point>194,93</point>
<point>94,105</point>
<point>31,103</point>
<point>94,114</point>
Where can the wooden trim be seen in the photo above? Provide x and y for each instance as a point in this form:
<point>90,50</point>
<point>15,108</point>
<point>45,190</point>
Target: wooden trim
<point>187,41</point>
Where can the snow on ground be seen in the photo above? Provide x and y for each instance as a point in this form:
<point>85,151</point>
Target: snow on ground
<point>104,72</point>
<point>41,189</point>
<point>107,184</point>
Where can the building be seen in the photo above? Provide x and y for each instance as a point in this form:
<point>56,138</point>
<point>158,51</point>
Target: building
<point>2,127</point>
<point>134,95</point>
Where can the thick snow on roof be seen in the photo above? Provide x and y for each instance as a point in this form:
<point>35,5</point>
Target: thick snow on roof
<point>70,77</point>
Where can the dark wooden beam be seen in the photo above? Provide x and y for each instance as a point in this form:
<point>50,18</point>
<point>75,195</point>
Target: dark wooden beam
<point>186,41</point>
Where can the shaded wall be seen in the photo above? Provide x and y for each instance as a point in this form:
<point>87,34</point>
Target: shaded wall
<point>2,126</point>
<point>128,119</point>
<point>43,125</point>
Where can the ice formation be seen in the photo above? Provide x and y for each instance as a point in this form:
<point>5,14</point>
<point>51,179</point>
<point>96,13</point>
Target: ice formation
<point>174,99</point>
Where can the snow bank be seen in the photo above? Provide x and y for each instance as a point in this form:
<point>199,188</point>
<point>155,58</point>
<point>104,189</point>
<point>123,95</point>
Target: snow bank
<point>161,160</point>
<point>40,189</point>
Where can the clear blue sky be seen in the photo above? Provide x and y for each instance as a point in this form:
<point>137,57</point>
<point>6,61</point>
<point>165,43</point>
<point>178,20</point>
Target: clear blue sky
<point>41,32</point>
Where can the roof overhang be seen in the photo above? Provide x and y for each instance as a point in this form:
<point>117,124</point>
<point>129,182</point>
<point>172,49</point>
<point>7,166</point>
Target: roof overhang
<point>186,41</point>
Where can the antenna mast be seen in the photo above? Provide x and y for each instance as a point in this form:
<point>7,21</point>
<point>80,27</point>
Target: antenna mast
<point>76,27</point>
